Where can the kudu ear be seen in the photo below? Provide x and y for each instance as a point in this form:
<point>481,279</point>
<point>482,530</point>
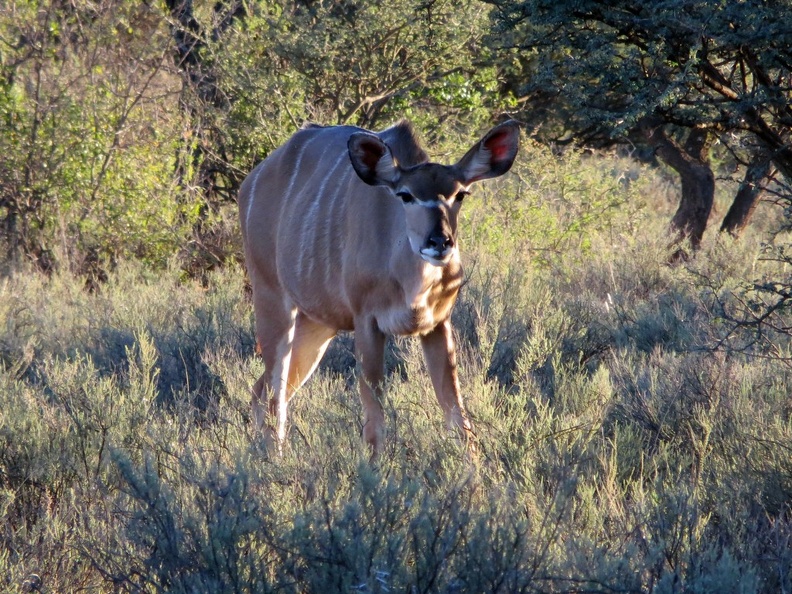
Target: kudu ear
<point>372,159</point>
<point>491,156</point>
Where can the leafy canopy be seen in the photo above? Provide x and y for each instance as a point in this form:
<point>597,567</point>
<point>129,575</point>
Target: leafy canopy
<point>603,68</point>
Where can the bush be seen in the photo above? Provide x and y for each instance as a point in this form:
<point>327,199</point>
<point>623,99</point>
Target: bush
<point>618,449</point>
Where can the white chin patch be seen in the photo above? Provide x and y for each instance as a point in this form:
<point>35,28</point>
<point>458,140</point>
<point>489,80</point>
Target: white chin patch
<point>434,258</point>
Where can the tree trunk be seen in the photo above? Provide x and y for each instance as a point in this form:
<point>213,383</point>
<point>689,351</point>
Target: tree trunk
<point>697,180</point>
<point>754,183</point>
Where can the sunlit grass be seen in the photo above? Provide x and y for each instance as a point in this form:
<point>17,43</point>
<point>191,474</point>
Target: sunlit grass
<point>617,450</point>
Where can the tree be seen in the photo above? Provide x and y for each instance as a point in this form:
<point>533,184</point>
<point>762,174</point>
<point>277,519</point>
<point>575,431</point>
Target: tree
<point>201,95</point>
<point>283,62</point>
<point>676,75</point>
<point>87,107</point>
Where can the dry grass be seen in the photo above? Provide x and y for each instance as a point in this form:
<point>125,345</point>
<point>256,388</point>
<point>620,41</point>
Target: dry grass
<point>619,451</point>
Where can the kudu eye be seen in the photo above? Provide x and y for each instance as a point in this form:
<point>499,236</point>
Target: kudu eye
<point>406,197</point>
<point>461,196</point>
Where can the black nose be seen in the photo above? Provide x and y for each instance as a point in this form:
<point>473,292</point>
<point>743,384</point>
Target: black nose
<point>440,242</point>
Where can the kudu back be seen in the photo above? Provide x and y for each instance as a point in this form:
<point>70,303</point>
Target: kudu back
<point>346,229</point>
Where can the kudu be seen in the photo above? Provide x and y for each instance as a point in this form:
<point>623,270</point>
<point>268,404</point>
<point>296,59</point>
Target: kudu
<point>346,229</point>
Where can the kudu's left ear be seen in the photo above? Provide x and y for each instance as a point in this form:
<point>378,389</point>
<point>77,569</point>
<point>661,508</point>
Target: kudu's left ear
<point>372,159</point>
<point>491,156</point>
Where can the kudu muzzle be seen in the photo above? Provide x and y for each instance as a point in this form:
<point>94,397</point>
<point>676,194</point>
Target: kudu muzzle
<point>439,244</point>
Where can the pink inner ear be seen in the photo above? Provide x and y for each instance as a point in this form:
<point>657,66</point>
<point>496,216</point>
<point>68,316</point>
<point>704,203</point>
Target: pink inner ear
<point>497,147</point>
<point>371,153</point>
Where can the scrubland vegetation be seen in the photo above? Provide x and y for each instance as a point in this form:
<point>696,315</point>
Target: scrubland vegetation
<point>623,445</point>
<point>630,392</point>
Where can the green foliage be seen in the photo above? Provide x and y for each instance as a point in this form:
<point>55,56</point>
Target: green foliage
<point>682,79</point>
<point>128,129</point>
<point>560,203</point>
<point>717,65</point>
<point>364,63</point>
<point>88,167</point>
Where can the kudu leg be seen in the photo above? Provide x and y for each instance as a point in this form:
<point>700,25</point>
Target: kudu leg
<point>440,354</point>
<point>310,342</point>
<point>298,348</point>
<point>370,353</point>
<point>275,325</point>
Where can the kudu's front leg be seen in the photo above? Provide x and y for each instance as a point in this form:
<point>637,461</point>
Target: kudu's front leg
<point>440,354</point>
<point>370,353</point>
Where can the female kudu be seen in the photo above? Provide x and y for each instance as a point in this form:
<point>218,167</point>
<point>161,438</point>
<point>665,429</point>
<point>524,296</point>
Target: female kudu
<point>346,229</point>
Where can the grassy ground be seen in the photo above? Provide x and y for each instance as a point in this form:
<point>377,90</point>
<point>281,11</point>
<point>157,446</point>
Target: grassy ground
<point>624,445</point>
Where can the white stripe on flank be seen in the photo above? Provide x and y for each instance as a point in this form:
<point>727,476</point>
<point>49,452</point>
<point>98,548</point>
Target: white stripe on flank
<point>293,178</point>
<point>335,214</point>
<point>250,200</point>
<point>310,221</point>
<point>296,166</point>
<point>327,178</point>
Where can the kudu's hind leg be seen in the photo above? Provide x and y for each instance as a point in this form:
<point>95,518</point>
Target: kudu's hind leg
<point>275,325</point>
<point>310,342</point>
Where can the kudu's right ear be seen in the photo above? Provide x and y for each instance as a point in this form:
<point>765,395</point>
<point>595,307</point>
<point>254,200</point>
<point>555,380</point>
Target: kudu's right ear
<point>491,156</point>
<point>372,159</point>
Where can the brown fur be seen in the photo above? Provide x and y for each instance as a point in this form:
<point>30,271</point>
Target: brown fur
<point>346,229</point>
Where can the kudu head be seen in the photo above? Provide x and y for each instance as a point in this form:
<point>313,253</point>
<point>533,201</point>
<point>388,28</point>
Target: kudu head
<point>431,193</point>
